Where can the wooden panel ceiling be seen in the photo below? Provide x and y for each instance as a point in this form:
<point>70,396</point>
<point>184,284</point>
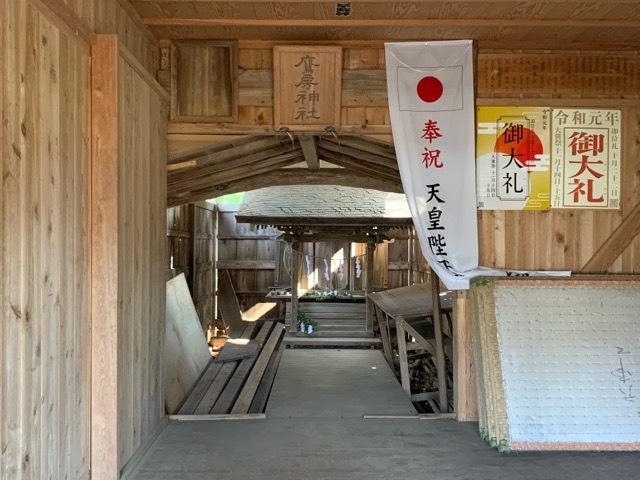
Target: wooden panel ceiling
<point>494,23</point>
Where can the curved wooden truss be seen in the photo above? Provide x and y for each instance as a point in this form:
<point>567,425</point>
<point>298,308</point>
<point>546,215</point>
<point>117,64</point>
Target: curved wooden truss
<point>260,161</point>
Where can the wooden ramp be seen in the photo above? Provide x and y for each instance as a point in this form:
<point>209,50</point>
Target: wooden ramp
<point>336,383</point>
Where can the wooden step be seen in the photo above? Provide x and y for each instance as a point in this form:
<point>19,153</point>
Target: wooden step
<point>341,328</point>
<point>311,341</point>
<point>342,333</point>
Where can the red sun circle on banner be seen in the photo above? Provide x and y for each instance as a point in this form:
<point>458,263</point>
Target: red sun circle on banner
<point>429,89</point>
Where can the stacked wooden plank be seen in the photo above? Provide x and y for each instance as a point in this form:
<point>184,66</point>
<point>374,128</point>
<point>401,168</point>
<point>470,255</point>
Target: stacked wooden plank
<point>556,362</point>
<point>239,381</point>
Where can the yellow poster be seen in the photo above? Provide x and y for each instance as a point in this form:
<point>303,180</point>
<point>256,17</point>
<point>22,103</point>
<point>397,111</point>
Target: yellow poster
<point>513,163</point>
<point>586,158</point>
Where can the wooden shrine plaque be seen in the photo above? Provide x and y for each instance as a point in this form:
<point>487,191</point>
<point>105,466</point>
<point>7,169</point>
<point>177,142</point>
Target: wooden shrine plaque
<point>307,87</point>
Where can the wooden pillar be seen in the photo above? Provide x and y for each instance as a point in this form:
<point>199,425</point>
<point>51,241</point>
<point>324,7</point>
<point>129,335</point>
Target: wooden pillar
<point>402,354</point>
<point>437,331</point>
<point>104,258</point>
<point>464,379</point>
<point>296,244</point>
<point>368,283</point>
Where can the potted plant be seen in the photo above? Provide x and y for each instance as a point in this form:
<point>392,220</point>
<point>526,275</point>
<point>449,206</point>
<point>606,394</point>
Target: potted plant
<point>305,324</point>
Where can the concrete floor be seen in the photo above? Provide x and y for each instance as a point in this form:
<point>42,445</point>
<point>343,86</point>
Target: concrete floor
<point>321,434</point>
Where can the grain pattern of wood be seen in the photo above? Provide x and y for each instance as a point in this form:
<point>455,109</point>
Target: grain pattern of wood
<point>437,333</point>
<point>105,233</point>
<point>54,92</point>
<point>142,155</point>
<point>226,400</point>
<point>200,389</point>
<point>295,284</point>
<point>402,355</point>
<point>216,388</point>
<point>617,243</point>
<point>204,81</point>
<point>44,224</point>
<point>464,379</point>
<point>310,151</point>
<point>289,66</point>
<point>251,385</point>
<point>259,402</point>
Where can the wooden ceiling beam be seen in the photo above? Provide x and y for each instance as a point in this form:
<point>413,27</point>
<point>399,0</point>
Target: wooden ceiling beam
<point>373,171</point>
<point>235,174</point>
<point>220,166</point>
<point>372,159</point>
<point>366,144</point>
<point>214,148</point>
<point>308,145</point>
<point>220,154</point>
<point>395,22</point>
<point>291,176</point>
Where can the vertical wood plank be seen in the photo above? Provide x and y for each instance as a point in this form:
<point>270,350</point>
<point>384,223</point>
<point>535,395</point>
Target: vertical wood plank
<point>104,258</point>
<point>464,381</point>
<point>295,260</point>
<point>437,333</point>
<point>402,354</point>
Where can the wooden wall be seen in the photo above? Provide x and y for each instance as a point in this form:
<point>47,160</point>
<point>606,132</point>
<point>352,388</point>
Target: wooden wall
<point>142,155</point>
<point>47,378</point>
<point>44,165</point>
<point>204,256</point>
<point>191,249</point>
<point>114,16</point>
<point>535,240</point>
<point>179,245</point>
<point>249,253</point>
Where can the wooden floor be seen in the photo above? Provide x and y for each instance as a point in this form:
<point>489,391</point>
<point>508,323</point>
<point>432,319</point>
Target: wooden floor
<point>318,427</point>
<point>336,383</point>
<point>322,448</point>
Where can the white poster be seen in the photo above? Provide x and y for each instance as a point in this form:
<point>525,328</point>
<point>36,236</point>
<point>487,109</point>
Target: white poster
<point>586,158</point>
<point>431,103</point>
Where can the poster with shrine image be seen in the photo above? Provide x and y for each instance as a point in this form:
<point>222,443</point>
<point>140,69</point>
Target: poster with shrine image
<point>586,158</point>
<point>513,163</point>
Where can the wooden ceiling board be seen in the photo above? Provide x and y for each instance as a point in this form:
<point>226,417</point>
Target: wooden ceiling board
<point>568,10</point>
<point>540,37</point>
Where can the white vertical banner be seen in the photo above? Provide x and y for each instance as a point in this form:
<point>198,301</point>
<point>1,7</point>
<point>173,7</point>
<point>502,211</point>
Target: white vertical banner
<point>431,101</point>
<point>432,108</point>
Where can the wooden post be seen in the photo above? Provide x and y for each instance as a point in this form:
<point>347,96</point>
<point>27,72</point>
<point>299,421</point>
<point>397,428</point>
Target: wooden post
<point>193,230</point>
<point>368,283</point>
<point>464,381</point>
<point>104,258</point>
<point>295,261</point>
<point>437,331</point>
<point>402,354</point>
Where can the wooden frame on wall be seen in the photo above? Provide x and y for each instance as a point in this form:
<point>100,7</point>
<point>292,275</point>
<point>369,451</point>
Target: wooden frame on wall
<point>200,92</point>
